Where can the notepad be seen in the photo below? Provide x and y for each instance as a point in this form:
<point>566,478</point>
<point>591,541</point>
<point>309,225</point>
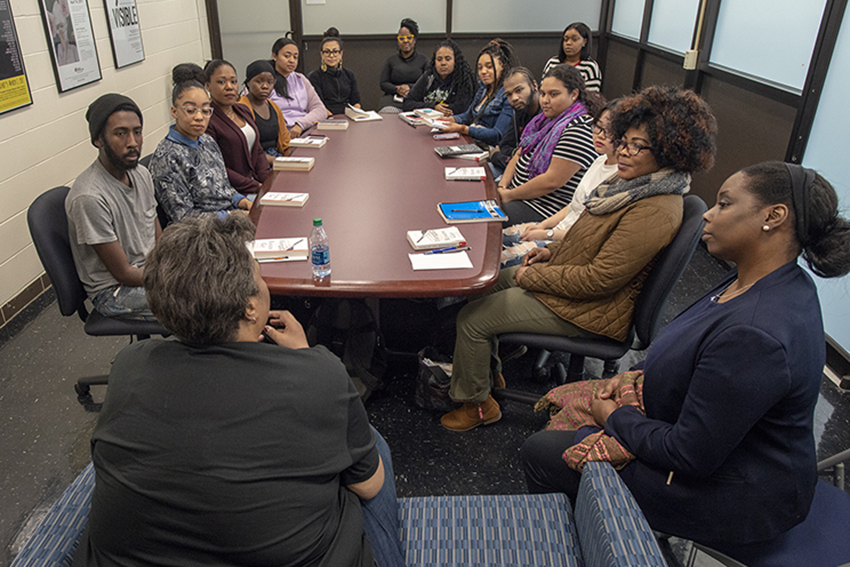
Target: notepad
<point>277,199</point>
<point>471,211</point>
<point>446,261</point>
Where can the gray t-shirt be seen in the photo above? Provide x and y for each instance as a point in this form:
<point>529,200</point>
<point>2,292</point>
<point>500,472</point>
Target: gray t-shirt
<point>101,209</point>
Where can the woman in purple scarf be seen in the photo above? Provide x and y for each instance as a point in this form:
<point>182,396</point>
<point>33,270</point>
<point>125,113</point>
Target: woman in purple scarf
<point>534,185</point>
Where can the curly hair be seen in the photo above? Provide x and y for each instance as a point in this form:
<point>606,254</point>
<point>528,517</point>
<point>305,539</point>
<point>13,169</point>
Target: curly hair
<point>680,125</point>
<point>572,79</point>
<point>463,79</point>
<point>199,277</point>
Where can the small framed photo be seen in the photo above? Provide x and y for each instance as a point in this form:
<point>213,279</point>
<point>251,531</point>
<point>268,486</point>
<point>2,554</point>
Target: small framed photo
<point>124,32</point>
<point>68,26</point>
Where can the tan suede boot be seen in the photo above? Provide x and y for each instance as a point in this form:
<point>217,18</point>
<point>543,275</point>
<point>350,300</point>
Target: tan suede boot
<point>470,415</point>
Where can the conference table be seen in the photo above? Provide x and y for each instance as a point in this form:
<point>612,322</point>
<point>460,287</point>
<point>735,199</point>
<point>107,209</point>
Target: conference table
<point>370,185</point>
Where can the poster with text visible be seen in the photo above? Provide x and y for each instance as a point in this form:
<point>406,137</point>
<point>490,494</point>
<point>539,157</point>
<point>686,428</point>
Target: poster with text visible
<point>125,32</point>
<point>14,88</point>
<point>68,26</point>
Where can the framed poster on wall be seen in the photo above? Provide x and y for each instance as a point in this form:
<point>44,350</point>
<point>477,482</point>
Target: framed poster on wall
<point>14,88</point>
<point>67,24</point>
<point>124,32</point>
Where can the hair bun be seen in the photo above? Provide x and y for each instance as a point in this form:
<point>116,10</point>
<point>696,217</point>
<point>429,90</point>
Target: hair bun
<point>187,72</point>
<point>331,32</point>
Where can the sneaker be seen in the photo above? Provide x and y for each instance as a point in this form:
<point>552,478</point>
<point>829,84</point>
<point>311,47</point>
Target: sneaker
<point>470,415</point>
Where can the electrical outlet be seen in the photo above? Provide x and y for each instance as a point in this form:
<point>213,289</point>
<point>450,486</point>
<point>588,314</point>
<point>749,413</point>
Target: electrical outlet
<point>691,59</point>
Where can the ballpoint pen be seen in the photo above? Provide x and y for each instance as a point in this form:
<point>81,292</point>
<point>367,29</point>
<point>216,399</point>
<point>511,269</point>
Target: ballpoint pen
<point>450,249</point>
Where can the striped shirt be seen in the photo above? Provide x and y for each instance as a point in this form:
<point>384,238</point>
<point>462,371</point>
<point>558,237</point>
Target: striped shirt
<point>576,145</point>
<point>589,71</point>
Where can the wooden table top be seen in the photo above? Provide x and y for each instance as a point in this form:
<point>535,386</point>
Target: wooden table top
<point>370,185</point>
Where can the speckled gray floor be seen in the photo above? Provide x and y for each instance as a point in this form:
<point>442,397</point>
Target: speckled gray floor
<point>44,440</point>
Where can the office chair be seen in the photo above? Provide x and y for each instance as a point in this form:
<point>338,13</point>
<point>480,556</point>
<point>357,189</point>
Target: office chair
<point>160,212</point>
<point>48,226</point>
<point>819,541</point>
<point>649,308</point>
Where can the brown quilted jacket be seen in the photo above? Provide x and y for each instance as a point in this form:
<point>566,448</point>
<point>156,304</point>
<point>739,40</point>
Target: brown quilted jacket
<point>596,272</point>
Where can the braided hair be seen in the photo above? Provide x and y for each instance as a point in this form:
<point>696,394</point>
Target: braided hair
<point>504,52</point>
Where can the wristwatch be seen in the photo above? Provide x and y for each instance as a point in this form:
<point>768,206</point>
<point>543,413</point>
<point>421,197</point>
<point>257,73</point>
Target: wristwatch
<point>550,234</point>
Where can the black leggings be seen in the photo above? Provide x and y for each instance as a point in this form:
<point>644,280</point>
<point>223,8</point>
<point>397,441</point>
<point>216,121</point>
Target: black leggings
<point>519,212</point>
<point>545,468</point>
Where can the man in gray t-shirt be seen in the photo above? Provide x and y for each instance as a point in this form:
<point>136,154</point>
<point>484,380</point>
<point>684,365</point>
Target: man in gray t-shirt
<point>112,211</point>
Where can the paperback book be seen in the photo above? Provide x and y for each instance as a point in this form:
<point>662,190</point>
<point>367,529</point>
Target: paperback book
<point>465,174</point>
<point>277,199</point>
<point>471,211</point>
<point>332,124</point>
<point>360,115</point>
<point>435,238</point>
<point>294,163</point>
<point>309,142</point>
<point>457,150</point>
<point>279,249</point>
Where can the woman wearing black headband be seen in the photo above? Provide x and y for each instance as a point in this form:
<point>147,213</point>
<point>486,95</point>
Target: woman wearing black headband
<point>722,443</point>
<point>259,82</point>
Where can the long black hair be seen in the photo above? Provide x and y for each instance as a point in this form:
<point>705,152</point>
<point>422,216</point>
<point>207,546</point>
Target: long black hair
<point>280,85</point>
<point>584,31</point>
<point>463,79</point>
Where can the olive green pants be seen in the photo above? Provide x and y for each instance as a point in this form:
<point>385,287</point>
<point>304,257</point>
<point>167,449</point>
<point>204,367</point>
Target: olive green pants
<point>505,308</point>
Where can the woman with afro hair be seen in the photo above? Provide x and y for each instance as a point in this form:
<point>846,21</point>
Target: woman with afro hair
<point>586,285</point>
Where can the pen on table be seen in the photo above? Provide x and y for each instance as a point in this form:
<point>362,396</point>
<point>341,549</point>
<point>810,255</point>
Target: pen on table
<point>294,244</point>
<point>450,249</point>
<point>466,210</point>
<point>424,232</point>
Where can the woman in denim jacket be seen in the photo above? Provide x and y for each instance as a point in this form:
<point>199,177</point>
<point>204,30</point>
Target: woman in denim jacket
<point>489,116</point>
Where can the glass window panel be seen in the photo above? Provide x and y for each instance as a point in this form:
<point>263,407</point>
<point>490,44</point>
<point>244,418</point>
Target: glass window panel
<point>496,16</point>
<point>628,18</point>
<point>673,23</point>
<point>770,39</point>
<point>371,16</point>
<point>830,160</point>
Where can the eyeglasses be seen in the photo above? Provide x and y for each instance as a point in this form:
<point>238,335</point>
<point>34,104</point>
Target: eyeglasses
<point>632,148</point>
<point>192,110</point>
<point>597,129</point>
<point>331,52</point>
<point>409,37</point>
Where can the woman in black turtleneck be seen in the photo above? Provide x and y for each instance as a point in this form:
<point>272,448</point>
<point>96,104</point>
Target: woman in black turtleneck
<point>402,70</point>
<point>335,85</point>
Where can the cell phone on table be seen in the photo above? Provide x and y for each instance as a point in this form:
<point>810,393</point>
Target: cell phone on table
<point>447,136</point>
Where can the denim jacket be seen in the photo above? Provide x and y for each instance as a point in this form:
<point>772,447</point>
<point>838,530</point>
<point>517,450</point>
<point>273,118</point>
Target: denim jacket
<point>493,121</point>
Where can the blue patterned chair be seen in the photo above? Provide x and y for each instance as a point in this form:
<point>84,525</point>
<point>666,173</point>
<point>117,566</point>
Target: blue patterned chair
<point>607,528</point>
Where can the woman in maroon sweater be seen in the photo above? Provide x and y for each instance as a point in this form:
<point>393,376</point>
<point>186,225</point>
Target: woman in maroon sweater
<point>234,130</point>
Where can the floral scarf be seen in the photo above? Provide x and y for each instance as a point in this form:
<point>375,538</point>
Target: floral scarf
<point>541,135</point>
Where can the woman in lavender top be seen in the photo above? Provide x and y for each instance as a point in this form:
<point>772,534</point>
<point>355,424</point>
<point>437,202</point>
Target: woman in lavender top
<point>293,93</point>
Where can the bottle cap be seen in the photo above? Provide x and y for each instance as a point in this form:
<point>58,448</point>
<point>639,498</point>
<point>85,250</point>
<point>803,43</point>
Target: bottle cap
<point>317,222</point>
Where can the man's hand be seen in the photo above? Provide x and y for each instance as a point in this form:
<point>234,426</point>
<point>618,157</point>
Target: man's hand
<point>285,330</point>
<point>536,255</point>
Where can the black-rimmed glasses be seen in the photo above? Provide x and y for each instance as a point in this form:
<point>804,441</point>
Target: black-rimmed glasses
<point>331,52</point>
<point>597,129</point>
<point>632,148</point>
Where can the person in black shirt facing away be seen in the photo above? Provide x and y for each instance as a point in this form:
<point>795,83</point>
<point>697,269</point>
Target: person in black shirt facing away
<point>524,96</point>
<point>447,85</point>
<point>335,85</point>
<point>402,70</point>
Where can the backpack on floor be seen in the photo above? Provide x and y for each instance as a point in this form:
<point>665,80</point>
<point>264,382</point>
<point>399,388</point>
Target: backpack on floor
<point>347,327</point>
<point>433,381</point>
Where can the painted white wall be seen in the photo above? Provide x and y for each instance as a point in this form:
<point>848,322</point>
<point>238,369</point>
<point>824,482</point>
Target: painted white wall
<point>47,143</point>
<point>248,35</point>
<point>372,16</point>
<point>532,16</point>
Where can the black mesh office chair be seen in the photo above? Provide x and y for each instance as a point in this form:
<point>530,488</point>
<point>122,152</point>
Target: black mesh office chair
<point>48,226</point>
<point>649,308</point>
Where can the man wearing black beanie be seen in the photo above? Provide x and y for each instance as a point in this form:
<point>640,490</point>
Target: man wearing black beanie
<point>112,211</point>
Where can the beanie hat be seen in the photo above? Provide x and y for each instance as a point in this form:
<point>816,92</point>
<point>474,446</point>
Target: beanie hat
<point>100,110</point>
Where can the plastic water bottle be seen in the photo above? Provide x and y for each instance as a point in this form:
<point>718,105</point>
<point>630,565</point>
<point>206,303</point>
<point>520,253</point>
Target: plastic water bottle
<point>320,252</point>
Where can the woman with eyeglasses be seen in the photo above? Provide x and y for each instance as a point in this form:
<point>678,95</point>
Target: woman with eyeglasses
<point>555,150</point>
<point>335,84</point>
<point>259,82</point>
<point>721,451</point>
<point>519,239</point>
<point>232,127</point>
<point>576,45</point>
<point>402,70</point>
<point>586,285</point>
<point>293,93</point>
<point>187,167</point>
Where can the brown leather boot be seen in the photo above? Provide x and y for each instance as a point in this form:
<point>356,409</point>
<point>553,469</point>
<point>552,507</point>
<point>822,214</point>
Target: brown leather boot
<point>499,381</point>
<point>470,415</point>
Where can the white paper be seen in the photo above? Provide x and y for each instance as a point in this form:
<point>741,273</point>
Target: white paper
<point>444,261</point>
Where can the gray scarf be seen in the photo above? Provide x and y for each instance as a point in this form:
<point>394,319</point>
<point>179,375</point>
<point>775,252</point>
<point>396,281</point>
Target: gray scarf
<point>615,193</point>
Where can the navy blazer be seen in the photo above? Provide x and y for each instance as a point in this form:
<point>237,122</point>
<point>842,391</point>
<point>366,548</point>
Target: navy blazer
<point>246,167</point>
<point>729,392</point>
